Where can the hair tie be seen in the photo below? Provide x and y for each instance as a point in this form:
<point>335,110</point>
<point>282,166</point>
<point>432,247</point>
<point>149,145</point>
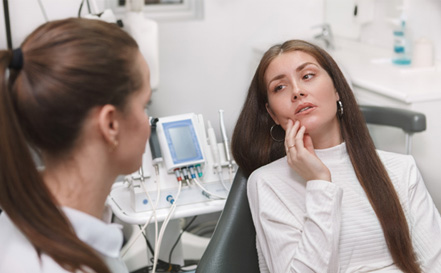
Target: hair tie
<point>17,59</point>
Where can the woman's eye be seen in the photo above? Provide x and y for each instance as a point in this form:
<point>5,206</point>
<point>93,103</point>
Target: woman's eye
<point>308,76</point>
<point>278,88</point>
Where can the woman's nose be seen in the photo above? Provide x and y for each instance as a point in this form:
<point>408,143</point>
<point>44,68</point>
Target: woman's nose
<point>298,93</point>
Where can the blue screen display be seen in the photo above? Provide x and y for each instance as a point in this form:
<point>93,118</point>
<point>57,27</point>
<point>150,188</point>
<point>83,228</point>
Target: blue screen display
<point>182,141</point>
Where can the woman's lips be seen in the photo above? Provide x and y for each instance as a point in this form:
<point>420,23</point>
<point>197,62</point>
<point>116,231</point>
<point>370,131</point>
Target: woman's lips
<point>305,108</point>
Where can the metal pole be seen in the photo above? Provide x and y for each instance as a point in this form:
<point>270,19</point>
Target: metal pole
<point>408,143</point>
<point>7,23</point>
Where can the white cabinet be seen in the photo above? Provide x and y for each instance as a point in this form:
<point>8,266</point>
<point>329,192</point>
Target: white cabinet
<point>378,82</point>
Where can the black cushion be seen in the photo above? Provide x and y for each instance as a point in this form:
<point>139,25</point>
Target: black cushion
<point>232,248</point>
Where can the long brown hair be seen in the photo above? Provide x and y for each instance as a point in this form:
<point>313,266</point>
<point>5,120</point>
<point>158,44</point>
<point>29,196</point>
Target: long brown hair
<point>254,124</point>
<point>70,66</point>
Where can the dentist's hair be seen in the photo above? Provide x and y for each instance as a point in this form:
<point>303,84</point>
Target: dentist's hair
<point>69,67</point>
<point>253,147</point>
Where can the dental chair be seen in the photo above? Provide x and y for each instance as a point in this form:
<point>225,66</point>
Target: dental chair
<point>232,248</point>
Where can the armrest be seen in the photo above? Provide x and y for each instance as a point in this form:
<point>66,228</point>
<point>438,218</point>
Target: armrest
<point>409,121</point>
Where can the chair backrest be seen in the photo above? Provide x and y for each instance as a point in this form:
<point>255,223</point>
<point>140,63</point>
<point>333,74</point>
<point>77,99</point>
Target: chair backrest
<point>232,248</point>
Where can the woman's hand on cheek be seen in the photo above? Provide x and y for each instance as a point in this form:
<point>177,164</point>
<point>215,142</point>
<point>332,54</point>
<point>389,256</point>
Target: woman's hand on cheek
<point>301,155</point>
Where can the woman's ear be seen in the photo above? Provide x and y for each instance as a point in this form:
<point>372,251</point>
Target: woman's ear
<point>108,124</point>
<point>270,112</point>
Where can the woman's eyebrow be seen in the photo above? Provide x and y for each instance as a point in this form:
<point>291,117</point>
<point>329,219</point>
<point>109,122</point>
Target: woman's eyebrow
<point>300,67</point>
<point>278,77</point>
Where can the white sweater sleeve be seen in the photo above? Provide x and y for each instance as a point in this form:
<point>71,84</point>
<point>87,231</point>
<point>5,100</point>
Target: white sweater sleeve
<point>298,233</point>
<point>425,222</point>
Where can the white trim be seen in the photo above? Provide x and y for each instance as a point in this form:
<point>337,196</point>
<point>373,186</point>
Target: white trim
<point>189,9</point>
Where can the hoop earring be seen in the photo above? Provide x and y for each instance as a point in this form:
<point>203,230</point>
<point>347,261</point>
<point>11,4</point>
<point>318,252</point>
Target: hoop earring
<point>340,109</point>
<point>271,133</point>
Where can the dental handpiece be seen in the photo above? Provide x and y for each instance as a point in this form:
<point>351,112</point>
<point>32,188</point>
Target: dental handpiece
<point>225,138</point>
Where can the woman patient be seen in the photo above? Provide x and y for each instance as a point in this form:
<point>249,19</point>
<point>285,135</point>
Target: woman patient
<point>323,199</point>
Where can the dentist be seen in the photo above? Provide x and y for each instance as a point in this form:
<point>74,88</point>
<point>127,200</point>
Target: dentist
<point>75,91</point>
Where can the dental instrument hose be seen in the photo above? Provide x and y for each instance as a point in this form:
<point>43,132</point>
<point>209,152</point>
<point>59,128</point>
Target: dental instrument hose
<point>154,142</point>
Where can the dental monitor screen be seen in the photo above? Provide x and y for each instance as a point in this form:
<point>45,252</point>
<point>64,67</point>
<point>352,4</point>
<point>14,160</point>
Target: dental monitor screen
<point>180,141</point>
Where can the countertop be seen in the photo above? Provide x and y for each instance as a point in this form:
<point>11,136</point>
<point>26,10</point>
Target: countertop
<point>370,67</point>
